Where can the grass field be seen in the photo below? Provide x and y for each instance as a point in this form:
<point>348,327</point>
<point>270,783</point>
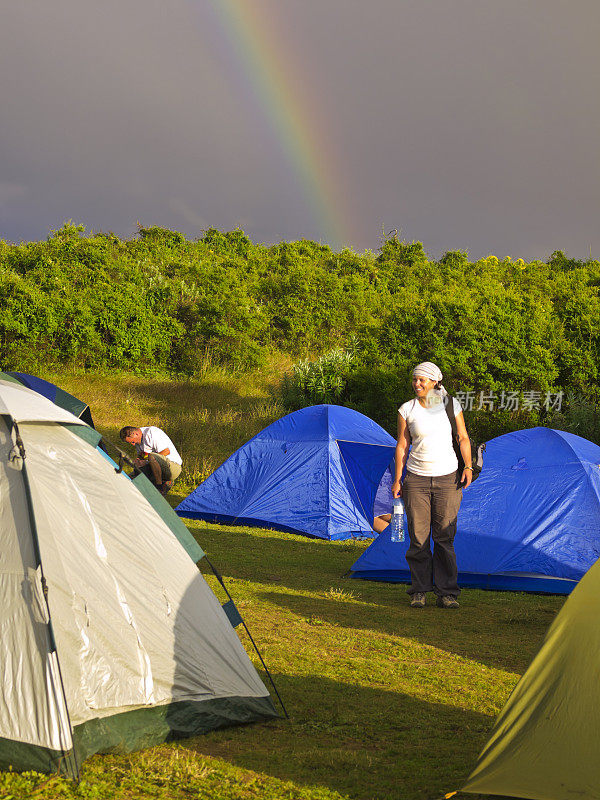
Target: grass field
<point>384,701</point>
<point>207,419</point>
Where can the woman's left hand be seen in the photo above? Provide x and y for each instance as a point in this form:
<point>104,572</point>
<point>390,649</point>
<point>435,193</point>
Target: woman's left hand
<point>467,478</point>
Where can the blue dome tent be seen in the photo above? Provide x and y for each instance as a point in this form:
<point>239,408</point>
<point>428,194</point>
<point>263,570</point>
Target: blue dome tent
<point>315,472</point>
<point>530,522</point>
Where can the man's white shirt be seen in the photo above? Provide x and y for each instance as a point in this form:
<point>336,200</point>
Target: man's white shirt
<point>154,440</point>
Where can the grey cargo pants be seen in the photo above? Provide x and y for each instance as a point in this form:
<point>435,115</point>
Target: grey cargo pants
<point>432,505</point>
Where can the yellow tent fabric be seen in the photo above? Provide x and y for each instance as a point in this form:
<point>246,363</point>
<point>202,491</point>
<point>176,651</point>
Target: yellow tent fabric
<point>546,742</point>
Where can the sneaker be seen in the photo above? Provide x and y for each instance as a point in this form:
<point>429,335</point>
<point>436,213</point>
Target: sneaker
<point>417,600</point>
<point>165,487</point>
<point>447,601</point>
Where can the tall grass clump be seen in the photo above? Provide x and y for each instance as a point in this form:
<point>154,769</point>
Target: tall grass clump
<point>319,381</point>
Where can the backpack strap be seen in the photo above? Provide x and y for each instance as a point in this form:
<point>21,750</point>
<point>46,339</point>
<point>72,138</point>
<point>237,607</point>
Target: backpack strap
<point>449,406</point>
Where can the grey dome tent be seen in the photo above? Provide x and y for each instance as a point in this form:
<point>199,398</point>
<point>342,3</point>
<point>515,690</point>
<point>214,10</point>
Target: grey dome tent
<point>111,638</point>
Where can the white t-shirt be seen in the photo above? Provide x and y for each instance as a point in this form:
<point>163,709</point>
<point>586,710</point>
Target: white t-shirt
<point>154,440</point>
<point>431,453</point>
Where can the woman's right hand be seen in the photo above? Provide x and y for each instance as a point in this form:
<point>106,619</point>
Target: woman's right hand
<point>396,489</point>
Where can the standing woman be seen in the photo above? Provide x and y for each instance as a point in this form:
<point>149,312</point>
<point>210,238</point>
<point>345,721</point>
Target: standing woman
<point>432,488</point>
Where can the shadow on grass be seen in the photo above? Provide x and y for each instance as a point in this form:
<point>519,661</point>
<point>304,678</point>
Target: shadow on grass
<point>500,629</point>
<point>493,637</point>
<point>362,742</point>
<point>298,562</point>
<point>160,398</point>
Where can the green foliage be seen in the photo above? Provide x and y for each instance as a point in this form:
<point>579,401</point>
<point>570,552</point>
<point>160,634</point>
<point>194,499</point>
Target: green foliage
<point>159,303</point>
<point>320,381</point>
<point>161,236</point>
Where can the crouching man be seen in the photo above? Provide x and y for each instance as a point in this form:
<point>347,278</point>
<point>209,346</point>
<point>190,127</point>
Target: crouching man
<point>157,457</point>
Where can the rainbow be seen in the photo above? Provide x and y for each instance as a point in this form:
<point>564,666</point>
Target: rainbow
<point>257,44</point>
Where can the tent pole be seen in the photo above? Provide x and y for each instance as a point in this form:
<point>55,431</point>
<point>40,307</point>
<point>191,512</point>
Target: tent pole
<point>20,447</point>
<point>219,577</point>
<point>123,457</point>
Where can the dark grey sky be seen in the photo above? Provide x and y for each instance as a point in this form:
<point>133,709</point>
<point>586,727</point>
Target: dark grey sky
<point>471,124</point>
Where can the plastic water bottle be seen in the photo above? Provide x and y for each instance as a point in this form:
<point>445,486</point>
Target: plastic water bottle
<point>397,522</point>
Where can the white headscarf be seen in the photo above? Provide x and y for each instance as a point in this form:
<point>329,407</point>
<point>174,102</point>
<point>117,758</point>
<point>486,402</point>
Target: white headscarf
<point>427,369</point>
<point>437,395</point>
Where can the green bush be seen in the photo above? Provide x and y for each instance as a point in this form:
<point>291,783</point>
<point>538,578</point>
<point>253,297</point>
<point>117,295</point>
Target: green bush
<point>162,303</point>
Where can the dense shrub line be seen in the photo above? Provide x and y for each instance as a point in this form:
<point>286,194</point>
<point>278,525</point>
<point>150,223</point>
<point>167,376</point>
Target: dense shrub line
<point>161,302</point>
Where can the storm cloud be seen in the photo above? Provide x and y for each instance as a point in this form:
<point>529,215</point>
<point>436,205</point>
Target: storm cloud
<point>470,124</point>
